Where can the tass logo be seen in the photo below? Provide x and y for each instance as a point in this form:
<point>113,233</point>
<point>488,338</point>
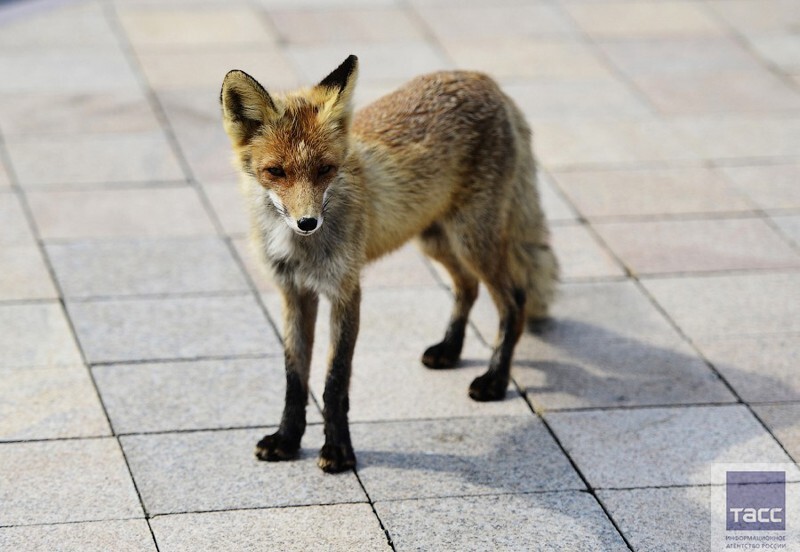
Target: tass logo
<point>756,501</point>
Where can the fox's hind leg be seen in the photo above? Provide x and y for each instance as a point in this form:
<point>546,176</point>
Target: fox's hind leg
<point>446,354</point>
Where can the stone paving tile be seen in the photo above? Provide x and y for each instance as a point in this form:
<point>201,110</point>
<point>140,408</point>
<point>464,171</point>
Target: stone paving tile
<point>602,372</point>
<point>36,335</point>
<point>536,521</point>
<point>217,470</point>
<point>783,420</point>
<point>458,457</point>
<point>675,57</point>
<point>779,50</point>
<point>93,159</point>
<point>49,403</point>
<point>75,70</point>
<point>790,226</point>
<point>346,25</point>
<point>580,255</point>
<point>324,4</point>
<point>662,446</point>
<point>338,527</point>
<point>737,92</point>
<point>131,535</point>
<point>149,28</point>
<point>61,26</point>
<point>50,482</point>
<point>55,113</point>
<point>742,136</point>
<point>729,305</point>
<point>768,186</point>
<point>123,213</point>
<point>5,178</point>
<point>24,274</point>
<point>535,58</point>
<point>546,100</point>
<point>760,369</point>
<point>642,19</point>
<point>16,230</point>
<point>405,267</point>
<point>213,394</point>
<point>556,208</point>
<point>395,62</point>
<point>229,206</point>
<point>395,385</point>
<point>145,266</point>
<point>205,70</point>
<point>643,192</point>
<point>757,16</point>
<point>678,246</point>
<point>171,328</point>
<point>497,21</point>
<point>678,518</point>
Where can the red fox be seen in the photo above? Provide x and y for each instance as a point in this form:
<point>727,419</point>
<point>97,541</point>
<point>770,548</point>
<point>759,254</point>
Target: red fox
<point>446,159</point>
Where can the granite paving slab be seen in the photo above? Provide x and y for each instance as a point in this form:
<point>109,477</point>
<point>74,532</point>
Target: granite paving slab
<point>36,335</point>
<point>131,535</point>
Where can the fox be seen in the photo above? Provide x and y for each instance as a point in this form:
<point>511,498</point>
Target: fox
<point>446,160</point>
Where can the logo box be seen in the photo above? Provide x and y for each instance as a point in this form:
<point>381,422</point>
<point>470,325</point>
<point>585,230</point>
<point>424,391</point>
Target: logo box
<point>755,500</point>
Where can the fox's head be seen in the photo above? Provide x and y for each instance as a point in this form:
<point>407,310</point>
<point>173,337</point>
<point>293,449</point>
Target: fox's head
<point>291,144</point>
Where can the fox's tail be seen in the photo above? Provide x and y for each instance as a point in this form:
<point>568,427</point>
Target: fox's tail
<point>533,261</point>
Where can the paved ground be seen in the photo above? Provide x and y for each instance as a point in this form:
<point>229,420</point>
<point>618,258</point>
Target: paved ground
<point>139,353</point>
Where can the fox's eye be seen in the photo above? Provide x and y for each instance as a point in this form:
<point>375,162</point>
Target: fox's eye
<point>276,171</point>
<point>324,169</point>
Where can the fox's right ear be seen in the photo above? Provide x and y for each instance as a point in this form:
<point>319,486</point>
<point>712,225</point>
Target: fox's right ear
<point>246,106</point>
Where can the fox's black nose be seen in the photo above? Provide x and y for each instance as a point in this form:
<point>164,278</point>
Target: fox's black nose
<point>307,224</point>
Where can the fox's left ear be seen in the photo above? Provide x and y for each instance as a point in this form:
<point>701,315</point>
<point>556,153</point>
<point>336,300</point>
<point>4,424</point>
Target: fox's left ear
<point>338,87</point>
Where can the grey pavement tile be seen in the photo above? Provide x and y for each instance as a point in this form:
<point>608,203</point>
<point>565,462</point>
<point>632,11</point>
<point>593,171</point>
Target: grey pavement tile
<point>732,92</point>
<point>727,305</point>
<point>16,230</point>
<point>757,16</point>
<point>561,144</point>
<point>760,369</point>
<point>619,19</point>
<point>49,403</point>
<point>681,246</point>
<point>5,178</point>
<point>780,50</point>
<point>676,518</point>
<point>459,457</point>
<point>321,4</point>
<point>229,206</point>
<point>768,186</point>
<point>173,328</point>
<point>338,527</point>
<point>405,267</point>
<point>145,266</point>
<point>36,335</point>
<point>613,372</point>
<point>790,226</point>
<point>738,136</point>
<point>93,159</point>
<point>644,192</point>
<point>78,24</point>
<point>198,471</point>
<point>50,482</point>
<point>56,113</point>
<point>497,21</point>
<point>580,256</point>
<point>87,69</point>
<point>124,213</point>
<point>662,446</point>
<point>395,385</point>
<point>556,208</point>
<point>525,57</point>
<point>346,24</point>
<point>194,395</point>
<point>132,535</point>
<point>537,521</point>
<point>24,274</point>
<point>557,99</point>
<point>679,56</point>
<point>394,62</point>
<point>783,420</point>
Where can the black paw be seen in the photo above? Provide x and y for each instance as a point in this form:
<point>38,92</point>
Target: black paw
<point>441,355</point>
<point>488,387</point>
<point>276,447</point>
<point>336,458</point>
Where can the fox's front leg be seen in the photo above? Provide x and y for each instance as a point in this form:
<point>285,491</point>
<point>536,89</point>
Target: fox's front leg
<point>337,453</point>
<point>300,315</point>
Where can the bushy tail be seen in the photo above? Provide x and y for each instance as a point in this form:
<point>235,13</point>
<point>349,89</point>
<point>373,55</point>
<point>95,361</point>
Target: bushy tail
<point>533,261</point>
